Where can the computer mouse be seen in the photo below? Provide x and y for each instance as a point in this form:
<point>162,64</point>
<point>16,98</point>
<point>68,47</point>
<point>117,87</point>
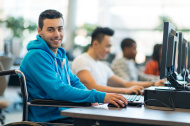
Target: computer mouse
<point>112,105</point>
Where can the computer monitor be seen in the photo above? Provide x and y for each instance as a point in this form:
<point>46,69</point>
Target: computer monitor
<point>182,68</point>
<point>169,57</point>
<point>188,61</point>
<point>171,53</point>
<point>169,31</point>
<point>185,61</point>
<point>180,44</point>
<point>184,54</point>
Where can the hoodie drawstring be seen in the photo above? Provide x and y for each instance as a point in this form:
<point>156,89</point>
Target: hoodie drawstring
<point>63,63</point>
<point>68,78</point>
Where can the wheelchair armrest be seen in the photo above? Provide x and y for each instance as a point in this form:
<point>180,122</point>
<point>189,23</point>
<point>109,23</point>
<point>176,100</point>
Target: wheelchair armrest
<point>58,102</point>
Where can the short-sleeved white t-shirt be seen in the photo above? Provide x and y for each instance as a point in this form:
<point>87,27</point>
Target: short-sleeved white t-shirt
<point>99,70</point>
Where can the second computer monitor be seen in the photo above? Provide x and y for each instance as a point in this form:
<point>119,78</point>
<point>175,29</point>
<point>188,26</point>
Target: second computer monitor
<point>181,54</point>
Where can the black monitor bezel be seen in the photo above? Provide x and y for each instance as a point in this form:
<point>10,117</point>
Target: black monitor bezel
<point>188,60</point>
<point>180,45</point>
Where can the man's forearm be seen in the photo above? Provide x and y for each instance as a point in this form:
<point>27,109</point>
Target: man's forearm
<point>139,83</point>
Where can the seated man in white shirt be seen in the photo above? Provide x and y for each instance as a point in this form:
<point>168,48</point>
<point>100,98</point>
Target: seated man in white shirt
<point>125,67</point>
<point>94,74</point>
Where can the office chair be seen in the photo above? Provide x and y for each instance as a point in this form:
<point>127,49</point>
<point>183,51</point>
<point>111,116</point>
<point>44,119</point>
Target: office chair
<point>39,102</point>
<point>4,103</point>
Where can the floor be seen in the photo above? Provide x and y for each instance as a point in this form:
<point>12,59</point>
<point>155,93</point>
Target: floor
<point>14,112</point>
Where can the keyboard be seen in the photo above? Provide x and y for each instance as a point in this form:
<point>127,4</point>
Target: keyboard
<point>134,100</point>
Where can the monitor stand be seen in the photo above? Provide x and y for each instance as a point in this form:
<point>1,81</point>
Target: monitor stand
<point>185,75</point>
<point>177,85</point>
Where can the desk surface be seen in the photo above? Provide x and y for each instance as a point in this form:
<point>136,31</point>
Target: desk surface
<point>140,115</point>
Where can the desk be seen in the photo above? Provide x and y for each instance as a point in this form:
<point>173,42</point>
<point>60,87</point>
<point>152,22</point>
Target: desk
<point>104,116</point>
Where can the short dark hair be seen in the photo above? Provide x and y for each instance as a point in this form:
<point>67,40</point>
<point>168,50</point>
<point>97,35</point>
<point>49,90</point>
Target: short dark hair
<point>99,33</point>
<point>48,14</point>
<point>127,42</point>
<point>156,52</point>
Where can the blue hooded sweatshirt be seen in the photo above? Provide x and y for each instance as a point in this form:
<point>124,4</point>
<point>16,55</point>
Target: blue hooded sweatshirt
<point>47,77</point>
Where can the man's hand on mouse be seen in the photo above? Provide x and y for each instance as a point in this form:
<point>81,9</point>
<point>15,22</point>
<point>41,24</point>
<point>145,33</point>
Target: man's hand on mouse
<point>115,99</point>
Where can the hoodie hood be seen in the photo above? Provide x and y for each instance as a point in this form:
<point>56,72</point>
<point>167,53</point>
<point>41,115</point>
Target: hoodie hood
<point>39,43</point>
